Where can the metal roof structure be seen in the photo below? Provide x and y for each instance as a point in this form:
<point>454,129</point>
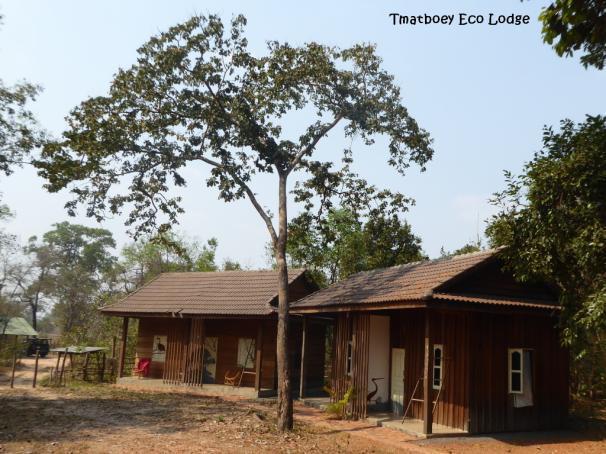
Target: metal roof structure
<point>17,326</point>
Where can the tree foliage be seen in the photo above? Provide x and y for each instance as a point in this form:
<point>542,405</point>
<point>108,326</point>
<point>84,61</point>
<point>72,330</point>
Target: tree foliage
<point>19,131</point>
<point>197,95</point>
<point>467,248</point>
<point>553,220</point>
<point>344,243</point>
<point>81,258</point>
<point>573,25</point>
<point>145,259</point>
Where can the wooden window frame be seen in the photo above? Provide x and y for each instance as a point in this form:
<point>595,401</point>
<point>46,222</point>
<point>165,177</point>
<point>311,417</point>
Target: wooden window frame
<point>520,371</point>
<point>440,367</point>
<point>349,359</point>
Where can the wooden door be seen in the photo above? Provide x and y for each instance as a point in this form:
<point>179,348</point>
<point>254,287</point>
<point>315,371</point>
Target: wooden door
<point>211,348</point>
<point>397,381</point>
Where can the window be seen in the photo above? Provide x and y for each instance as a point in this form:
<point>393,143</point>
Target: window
<point>520,376</point>
<point>349,355</point>
<point>438,356</point>
<point>246,353</point>
<point>516,370</point>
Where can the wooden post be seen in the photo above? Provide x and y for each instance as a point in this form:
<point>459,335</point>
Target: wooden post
<point>62,367</point>
<point>102,368</point>
<point>427,377</point>
<point>36,368</point>
<point>14,362</point>
<point>85,367</point>
<point>123,347</point>
<point>54,379</point>
<point>259,356</point>
<point>302,381</point>
<point>114,340</point>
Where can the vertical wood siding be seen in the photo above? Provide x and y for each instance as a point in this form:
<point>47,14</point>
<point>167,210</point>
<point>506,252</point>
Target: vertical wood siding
<point>451,331</point>
<point>354,327</point>
<point>185,339</point>
<point>491,406</point>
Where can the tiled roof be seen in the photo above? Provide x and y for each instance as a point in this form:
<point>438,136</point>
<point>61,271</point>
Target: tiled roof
<point>409,282</point>
<point>206,293</point>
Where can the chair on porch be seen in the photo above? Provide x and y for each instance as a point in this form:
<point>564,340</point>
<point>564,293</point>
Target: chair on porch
<point>234,377</point>
<point>142,367</point>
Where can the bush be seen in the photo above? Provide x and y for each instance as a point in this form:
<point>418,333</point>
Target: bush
<point>338,408</point>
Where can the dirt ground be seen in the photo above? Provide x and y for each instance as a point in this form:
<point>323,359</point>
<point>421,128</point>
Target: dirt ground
<point>24,371</point>
<point>108,419</point>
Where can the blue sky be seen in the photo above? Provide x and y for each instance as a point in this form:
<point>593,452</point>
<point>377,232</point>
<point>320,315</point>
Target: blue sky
<point>484,93</point>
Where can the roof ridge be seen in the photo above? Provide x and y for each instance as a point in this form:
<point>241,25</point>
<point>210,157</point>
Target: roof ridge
<point>425,261</point>
<point>293,270</point>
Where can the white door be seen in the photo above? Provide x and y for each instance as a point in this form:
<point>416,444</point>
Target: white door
<point>397,381</point>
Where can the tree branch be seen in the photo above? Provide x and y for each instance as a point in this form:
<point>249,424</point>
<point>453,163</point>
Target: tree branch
<point>249,193</point>
<point>308,149</point>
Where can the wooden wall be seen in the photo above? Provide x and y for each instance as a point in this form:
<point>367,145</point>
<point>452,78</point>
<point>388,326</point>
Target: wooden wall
<point>354,327</point>
<point>452,331</point>
<point>148,328</point>
<point>228,331</point>
<point>492,279</point>
<point>491,407</point>
<point>315,354</point>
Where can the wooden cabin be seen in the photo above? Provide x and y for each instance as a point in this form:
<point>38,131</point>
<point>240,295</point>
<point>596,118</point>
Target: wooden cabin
<point>205,328</point>
<point>454,341</point>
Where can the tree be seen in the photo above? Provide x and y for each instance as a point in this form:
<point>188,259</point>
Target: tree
<point>467,248</point>
<point>573,25</point>
<point>197,96</point>
<point>33,279</point>
<point>145,259</point>
<point>231,265</point>
<point>80,258</point>
<point>343,242</point>
<point>19,131</point>
<point>553,221</point>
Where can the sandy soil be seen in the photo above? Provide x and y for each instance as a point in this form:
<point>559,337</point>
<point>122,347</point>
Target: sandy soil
<point>24,372</point>
<point>110,419</point>
<point>95,419</point>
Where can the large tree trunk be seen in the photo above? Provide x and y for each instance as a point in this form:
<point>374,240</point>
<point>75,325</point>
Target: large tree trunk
<point>285,418</point>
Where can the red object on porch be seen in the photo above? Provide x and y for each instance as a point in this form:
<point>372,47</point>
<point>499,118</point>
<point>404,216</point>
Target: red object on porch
<point>142,368</point>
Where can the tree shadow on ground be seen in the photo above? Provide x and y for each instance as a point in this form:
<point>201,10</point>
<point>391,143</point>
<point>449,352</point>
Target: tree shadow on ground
<point>67,416</point>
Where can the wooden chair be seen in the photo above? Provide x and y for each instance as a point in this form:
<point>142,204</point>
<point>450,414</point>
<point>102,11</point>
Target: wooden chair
<point>142,367</point>
<point>231,377</point>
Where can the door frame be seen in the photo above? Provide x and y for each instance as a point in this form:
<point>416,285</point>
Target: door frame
<point>391,377</point>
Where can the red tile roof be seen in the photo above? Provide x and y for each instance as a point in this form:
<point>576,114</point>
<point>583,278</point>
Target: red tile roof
<point>205,293</point>
<point>410,282</point>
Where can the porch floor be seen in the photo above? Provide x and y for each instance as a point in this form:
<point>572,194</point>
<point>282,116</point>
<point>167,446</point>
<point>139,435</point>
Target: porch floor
<point>413,426</point>
<point>386,419</point>
<point>207,389</point>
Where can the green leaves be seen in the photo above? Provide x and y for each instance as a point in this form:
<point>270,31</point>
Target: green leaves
<point>19,131</point>
<point>553,218</point>
<point>196,96</point>
<point>573,25</point>
<point>349,235</point>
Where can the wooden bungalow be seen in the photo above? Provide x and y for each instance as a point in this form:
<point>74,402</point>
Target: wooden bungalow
<point>453,341</point>
<point>217,328</point>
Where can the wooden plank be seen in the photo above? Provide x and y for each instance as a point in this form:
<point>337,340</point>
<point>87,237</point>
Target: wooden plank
<point>259,356</point>
<point>36,368</point>
<point>123,341</point>
<point>14,362</point>
<point>302,384</point>
<point>427,375</point>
